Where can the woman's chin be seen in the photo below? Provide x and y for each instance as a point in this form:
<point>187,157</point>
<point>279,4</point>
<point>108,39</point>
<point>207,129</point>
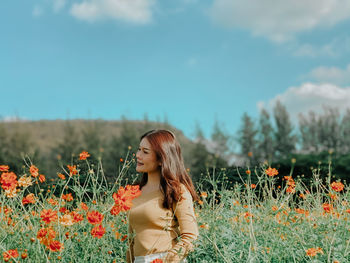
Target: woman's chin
<point>139,170</point>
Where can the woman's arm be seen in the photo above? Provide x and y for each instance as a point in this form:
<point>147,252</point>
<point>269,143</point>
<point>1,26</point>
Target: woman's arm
<point>188,228</point>
<point>130,252</point>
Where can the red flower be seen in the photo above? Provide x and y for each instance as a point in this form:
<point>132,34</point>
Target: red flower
<point>337,186</point>
<point>47,215</point>
<point>42,178</point>
<point>34,171</point>
<point>68,197</point>
<point>46,235</point>
<point>327,207</point>
<point>271,171</point>
<point>98,231</point>
<point>123,199</point>
<point>29,199</point>
<point>95,217</point>
<point>72,170</point>
<point>8,180</point>
<point>61,176</point>
<point>77,217</point>
<point>63,210</point>
<point>12,253</point>
<point>157,260</point>
<point>84,206</point>
<point>4,168</point>
<point>83,155</point>
<point>55,246</point>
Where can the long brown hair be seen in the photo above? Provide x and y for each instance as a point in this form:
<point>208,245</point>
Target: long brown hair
<point>173,172</point>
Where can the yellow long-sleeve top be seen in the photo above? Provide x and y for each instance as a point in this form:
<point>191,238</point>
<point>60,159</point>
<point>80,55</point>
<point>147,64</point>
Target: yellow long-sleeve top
<point>154,229</point>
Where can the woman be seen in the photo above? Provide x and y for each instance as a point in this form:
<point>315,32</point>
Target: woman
<point>162,224</point>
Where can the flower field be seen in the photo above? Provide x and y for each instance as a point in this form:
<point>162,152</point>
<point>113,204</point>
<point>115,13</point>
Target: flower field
<point>269,217</point>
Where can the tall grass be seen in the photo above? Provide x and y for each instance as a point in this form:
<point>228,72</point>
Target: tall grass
<point>258,220</point>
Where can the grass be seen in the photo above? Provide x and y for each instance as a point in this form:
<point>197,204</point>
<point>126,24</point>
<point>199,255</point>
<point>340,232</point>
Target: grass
<point>295,221</point>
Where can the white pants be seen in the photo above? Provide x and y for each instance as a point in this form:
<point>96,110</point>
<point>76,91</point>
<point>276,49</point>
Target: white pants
<point>151,257</point>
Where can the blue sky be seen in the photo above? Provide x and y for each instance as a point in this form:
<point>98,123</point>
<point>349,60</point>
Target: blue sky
<point>189,60</point>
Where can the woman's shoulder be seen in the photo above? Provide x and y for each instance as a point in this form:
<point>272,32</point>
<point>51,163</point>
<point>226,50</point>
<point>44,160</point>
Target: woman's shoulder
<point>185,193</point>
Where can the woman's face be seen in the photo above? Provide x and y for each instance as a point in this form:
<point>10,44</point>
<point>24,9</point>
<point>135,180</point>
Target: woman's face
<point>146,158</point>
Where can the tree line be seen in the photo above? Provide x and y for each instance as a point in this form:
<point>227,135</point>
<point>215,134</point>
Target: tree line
<point>272,139</point>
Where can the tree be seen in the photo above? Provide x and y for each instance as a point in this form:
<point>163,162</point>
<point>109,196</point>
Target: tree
<point>329,132</point>
<point>345,133</point>
<point>284,138</point>
<point>91,138</point>
<point>266,146</point>
<point>309,130</point>
<point>220,140</point>
<point>247,139</point>
<point>69,145</point>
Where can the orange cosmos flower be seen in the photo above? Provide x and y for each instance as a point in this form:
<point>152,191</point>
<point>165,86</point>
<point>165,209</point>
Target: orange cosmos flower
<point>157,260</point>
<point>55,246</point>
<point>77,217</point>
<point>250,154</point>
<point>248,172</point>
<point>327,207</point>
<point>72,170</point>
<point>204,195</point>
<point>290,190</point>
<point>84,206</point>
<point>98,231</point>
<point>34,171</point>
<point>337,186</point>
<point>4,168</point>
<point>271,171</point>
<point>29,199</point>
<point>63,210</point>
<point>68,197</point>
<point>67,220</point>
<point>311,252</point>
<point>61,176</point>
<point>12,253</point>
<point>52,202</point>
<point>42,178</point>
<point>253,186</point>
<point>83,155</point>
<point>25,181</point>
<point>10,193</point>
<point>116,210</point>
<point>46,235</point>
<point>8,180</point>
<point>95,217</point>
<point>123,199</point>
<point>47,215</point>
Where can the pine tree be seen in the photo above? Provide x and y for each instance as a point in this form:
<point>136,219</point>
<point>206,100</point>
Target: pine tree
<point>329,135</point>
<point>220,140</point>
<point>266,146</point>
<point>69,145</point>
<point>247,139</point>
<point>345,133</point>
<point>284,138</point>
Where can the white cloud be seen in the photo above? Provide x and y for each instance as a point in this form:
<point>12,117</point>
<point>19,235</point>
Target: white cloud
<point>279,20</point>
<point>37,11</point>
<point>331,75</point>
<point>58,5</point>
<point>310,96</point>
<point>135,11</point>
<point>334,49</point>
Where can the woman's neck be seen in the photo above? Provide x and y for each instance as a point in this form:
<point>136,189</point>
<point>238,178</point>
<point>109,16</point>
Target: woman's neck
<point>153,180</point>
